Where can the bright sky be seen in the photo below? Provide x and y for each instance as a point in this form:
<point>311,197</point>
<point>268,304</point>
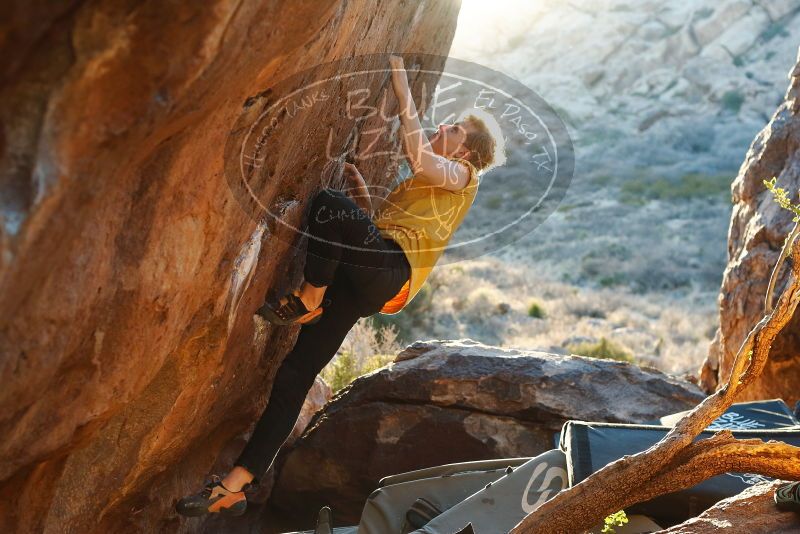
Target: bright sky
<point>484,26</point>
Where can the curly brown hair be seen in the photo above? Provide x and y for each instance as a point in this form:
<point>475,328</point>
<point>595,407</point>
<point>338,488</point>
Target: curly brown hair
<point>480,142</point>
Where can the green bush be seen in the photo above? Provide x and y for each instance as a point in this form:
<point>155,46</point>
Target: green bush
<point>344,368</point>
<point>692,185</point>
<point>604,349</point>
<point>732,101</point>
<point>601,180</point>
<point>494,202</point>
<point>616,279</point>
<point>774,30</point>
<point>520,192</point>
<point>703,13</point>
<point>781,197</point>
<point>565,207</point>
<point>535,310</point>
<point>617,519</point>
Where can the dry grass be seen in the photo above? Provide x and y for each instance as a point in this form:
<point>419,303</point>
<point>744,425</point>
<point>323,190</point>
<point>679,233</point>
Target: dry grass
<point>671,333</point>
<point>366,347</point>
<point>646,279</point>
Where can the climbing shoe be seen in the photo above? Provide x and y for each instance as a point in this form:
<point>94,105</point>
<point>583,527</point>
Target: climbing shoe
<point>291,310</point>
<point>787,497</point>
<point>212,499</point>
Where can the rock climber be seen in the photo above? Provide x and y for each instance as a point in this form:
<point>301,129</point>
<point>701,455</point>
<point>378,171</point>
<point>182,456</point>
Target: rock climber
<point>358,264</point>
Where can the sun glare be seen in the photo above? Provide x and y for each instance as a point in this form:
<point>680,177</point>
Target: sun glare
<point>487,26</point>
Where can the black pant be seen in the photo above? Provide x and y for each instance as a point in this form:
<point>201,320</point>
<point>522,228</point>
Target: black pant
<point>360,281</point>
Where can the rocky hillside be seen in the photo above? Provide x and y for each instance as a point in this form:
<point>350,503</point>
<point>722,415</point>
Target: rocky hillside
<point>128,272</point>
<point>666,88</point>
<point>662,100</point>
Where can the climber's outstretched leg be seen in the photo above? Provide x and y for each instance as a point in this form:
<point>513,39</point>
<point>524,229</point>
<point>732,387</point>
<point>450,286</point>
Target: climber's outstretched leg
<point>316,345</point>
<point>360,284</point>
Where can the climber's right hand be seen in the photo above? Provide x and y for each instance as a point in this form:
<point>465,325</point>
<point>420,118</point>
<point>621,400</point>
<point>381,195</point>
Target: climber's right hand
<point>353,175</point>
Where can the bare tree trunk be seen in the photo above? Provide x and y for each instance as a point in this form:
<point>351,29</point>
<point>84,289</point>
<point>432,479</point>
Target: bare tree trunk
<point>677,462</point>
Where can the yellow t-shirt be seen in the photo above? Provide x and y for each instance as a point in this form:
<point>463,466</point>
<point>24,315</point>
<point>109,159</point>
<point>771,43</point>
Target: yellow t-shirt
<point>422,218</point>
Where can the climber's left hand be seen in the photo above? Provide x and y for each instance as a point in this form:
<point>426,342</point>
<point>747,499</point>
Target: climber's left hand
<point>396,62</point>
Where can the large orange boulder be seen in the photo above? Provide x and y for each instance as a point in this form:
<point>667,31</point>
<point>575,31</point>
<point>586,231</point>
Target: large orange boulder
<point>129,272</point>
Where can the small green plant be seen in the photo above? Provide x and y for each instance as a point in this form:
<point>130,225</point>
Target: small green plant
<point>536,311</point>
<point>703,13</point>
<point>344,369</point>
<point>340,372</point>
<point>774,30</point>
<point>565,207</point>
<point>781,196</point>
<point>520,192</point>
<point>691,185</point>
<point>367,347</point>
<point>601,180</point>
<point>617,519</point>
<point>612,280</point>
<point>494,202</point>
<point>732,101</point>
<point>604,349</point>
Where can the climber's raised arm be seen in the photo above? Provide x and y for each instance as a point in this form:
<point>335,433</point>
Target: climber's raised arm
<point>423,161</point>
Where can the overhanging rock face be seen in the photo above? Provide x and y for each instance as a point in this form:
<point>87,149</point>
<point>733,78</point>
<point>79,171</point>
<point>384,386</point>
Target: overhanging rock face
<point>128,272</point>
<point>757,232</point>
<point>454,401</point>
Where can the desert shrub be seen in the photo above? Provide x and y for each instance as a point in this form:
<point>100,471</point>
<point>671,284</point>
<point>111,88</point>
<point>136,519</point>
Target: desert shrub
<point>494,202</point>
<point>616,279</point>
<point>535,310</point>
<point>602,179</point>
<point>583,309</point>
<point>691,185</point>
<point>732,101</point>
<point>604,349</point>
<point>605,264</point>
<point>366,347</point>
<point>480,304</point>
<point>565,207</point>
<point>344,368</point>
<point>520,191</point>
<point>703,13</point>
<point>774,30</point>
